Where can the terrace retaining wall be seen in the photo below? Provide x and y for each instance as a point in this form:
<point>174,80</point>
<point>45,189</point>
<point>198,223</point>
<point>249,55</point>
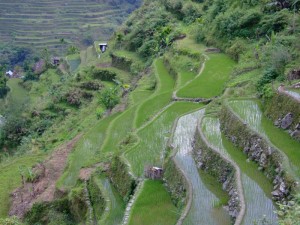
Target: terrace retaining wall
<point>269,159</point>
<point>121,62</point>
<point>124,182</point>
<point>278,107</point>
<point>226,171</point>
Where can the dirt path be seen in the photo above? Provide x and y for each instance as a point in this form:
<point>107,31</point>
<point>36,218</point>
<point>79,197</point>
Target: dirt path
<point>43,188</point>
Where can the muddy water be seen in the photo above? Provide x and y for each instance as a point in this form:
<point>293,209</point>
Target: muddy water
<point>258,204</point>
<point>202,210</point>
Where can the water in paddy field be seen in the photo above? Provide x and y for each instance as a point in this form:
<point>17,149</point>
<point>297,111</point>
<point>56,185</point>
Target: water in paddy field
<point>249,113</point>
<point>203,210</point>
<point>258,204</point>
<point>294,94</point>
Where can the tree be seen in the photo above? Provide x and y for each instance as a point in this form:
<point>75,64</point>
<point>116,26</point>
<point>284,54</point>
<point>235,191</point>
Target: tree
<point>109,97</point>
<point>3,88</point>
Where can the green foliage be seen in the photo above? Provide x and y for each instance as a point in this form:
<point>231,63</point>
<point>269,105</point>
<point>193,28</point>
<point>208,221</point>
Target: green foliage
<point>268,76</point>
<point>97,199</point>
<point>99,112</point>
<point>102,74</point>
<point>109,97</point>
<point>3,88</point>
<point>119,175</point>
<point>289,213</point>
<point>56,212</point>
<point>10,221</point>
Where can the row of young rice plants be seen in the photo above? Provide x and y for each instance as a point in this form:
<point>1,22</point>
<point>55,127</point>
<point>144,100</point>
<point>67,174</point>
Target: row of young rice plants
<point>250,112</point>
<point>162,96</point>
<point>154,206</point>
<point>203,209</point>
<point>118,130</point>
<point>212,81</point>
<point>258,204</point>
<point>150,149</point>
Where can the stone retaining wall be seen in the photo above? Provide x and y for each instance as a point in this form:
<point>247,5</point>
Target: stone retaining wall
<point>121,62</point>
<point>285,113</point>
<point>225,171</point>
<point>269,159</point>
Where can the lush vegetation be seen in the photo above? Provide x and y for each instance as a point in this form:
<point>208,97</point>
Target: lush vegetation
<point>121,101</point>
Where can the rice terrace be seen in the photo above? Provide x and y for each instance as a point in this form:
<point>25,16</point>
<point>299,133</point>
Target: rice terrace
<point>150,112</point>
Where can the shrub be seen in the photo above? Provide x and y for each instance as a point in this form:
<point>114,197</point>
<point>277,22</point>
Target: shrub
<point>104,75</point>
<point>109,97</point>
<point>268,76</point>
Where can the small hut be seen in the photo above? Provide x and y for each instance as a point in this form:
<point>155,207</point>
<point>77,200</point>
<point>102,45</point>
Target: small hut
<point>55,61</point>
<point>9,73</point>
<point>153,172</point>
<point>103,47</point>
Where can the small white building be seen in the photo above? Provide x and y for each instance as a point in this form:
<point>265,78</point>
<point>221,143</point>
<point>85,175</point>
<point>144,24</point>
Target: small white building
<point>9,73</point>
<point>103,47</point>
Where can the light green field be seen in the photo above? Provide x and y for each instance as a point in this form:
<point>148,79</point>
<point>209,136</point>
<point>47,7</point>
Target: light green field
<point>16,97</point>
<point>153,206</point>
<point>212,81</point>
<point>161,97</point>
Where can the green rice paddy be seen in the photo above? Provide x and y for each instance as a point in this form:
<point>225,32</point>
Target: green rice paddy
<point>153,206</point>
<point>153,138</point>
<point>211,82</point>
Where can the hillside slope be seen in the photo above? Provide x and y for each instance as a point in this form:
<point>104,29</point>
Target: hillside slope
<point>55,24</point>
<point>193,106</point>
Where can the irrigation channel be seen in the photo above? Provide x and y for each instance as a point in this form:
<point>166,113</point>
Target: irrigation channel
<point>202,210</point>
<point>258,204</point>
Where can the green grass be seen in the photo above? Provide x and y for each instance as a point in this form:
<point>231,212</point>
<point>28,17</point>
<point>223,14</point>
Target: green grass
<point>16,96</point>
<point>215,187</point>
<point>153,206</point>
<point>86,152</point>
<point>161,97</point>
<point>11,179</point>
<point>118,129</point>
<point>252,76</point>
<point>190,44</point>
<point>153,138</point>
<point>283,141</point>
<point>212,81</point>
